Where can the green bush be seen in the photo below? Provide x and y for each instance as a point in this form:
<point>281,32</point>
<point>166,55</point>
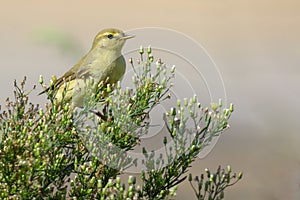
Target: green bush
<point>59,152</point>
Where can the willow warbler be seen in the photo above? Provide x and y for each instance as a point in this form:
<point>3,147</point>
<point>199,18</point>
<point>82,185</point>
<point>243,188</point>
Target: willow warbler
<point>103,62</point>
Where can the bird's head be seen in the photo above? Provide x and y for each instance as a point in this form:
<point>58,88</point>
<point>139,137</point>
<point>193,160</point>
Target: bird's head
<point>111,39</point>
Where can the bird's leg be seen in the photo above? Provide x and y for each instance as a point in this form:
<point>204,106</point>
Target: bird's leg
<point>105,109</point>
<point>99,114</point>
<point>104,114</point>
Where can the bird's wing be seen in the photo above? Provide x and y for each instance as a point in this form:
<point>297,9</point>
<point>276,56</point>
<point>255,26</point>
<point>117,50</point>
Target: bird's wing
<point>70,75</point>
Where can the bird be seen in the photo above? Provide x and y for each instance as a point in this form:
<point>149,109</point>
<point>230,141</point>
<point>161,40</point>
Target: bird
<point>103,62</point>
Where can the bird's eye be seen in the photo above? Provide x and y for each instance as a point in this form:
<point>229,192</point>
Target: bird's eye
<point>110,36</point>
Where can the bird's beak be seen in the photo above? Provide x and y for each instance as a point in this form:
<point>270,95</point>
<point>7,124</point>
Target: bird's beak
<point>126,37</point>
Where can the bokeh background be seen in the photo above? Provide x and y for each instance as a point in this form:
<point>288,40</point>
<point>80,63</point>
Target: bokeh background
<point>255,44</point>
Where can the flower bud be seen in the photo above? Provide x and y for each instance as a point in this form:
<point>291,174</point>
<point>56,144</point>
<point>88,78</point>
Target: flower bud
<point>173,112</point>
<point>226,112</point>
<point>141,50</point>
<point>229,169</point>
<point>53,80</point>
<point>130,180</point>
<point>108,89</point>
<point>185,102</point>
<point>240,175</point>
<point>149,50</point>
<point>165,140</point>
<point>231,109</point>
<point>178,103</point>
<point>172,69</point>
<point>41,80</point>
<point>151,58</point>
<point>110,183</point>
<point>194,100</point>
<point>99,184</point>
<point>214,106</point>
<point>190,177</point>
<point>220,103</point>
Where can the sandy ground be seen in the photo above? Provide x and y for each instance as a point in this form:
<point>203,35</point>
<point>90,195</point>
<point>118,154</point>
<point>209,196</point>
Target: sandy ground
<point>255,45</point>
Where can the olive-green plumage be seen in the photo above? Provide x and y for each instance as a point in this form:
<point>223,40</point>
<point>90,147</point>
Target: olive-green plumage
<point>103,61</point>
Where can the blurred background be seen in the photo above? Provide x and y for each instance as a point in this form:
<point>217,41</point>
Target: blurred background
<point>255,45</point>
